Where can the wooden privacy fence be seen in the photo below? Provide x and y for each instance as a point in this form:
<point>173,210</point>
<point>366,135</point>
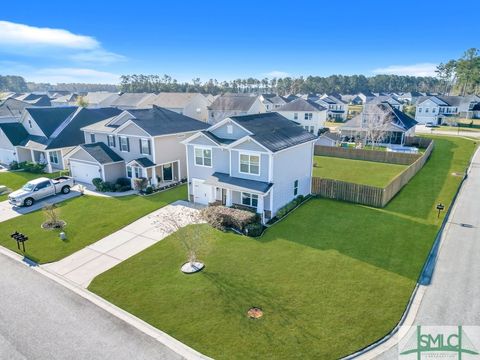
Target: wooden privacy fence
<point>369,195</point>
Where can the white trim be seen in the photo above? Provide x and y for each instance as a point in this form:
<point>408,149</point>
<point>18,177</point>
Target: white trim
<point>202,147</point>
<point>251,199</point>
<point>188,175</point>
<point>227,120</point>
<point>196,135</point>
<point>128,123</point>
<point>270,168</point>
<point>244,139</point>
<point>120,145</point>
<point>118,117</point>
<point>249,163</point>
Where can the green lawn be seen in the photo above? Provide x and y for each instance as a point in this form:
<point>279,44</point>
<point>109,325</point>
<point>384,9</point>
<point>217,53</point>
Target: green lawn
<point>15,180</point>
<point>89,219</point>
<point>356,171</point>
<point>332,277</point>
<point>455,129</point>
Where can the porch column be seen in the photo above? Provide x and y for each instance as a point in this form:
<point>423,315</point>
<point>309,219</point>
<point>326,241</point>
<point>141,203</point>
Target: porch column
<point>260,208</point>
<point>178,171</point>
<point>229,198</point>
<point>154,176</point>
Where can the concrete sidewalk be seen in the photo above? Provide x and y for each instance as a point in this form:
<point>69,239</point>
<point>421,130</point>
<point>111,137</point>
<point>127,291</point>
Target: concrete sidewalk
<point>84,265</point>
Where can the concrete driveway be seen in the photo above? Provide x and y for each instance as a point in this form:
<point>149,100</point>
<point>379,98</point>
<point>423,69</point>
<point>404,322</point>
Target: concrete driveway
<point>84,265</point>
<point>8,211</point>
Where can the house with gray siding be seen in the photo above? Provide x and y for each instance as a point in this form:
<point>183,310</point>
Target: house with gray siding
<point>147,144</point>
<point>234,104</point>
<point>259,161</point>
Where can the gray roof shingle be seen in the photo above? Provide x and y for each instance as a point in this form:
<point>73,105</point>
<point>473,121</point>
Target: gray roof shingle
<point>101,153</point>
<point>274,131</point>
<point>50,118</point>
<point>15,132</point>
<point>237,102</point>
<point>302,105</point>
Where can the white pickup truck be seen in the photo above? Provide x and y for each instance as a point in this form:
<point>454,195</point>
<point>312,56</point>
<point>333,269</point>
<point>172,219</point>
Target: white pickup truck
<point>40,188</point>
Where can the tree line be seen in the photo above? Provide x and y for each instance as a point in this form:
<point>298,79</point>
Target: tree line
<point>13,83</point>
<point>461,76</point>
<point>287,85</point>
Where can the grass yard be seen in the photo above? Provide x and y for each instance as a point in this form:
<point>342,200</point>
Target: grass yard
<point>356,171</point>
<point>455,129</point>
<point>89,219</point>
<point>15,180</point>
<point>331,278</point>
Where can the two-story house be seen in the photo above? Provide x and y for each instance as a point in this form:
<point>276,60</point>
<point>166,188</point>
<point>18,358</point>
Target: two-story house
<point>234,104</point>
<point>308,114</point>
<point>259,161</point>
<point>47,134</point>
<point>137,143</point>
<point>386,99</point>
<point>337,110</point>
<point>434,110</point>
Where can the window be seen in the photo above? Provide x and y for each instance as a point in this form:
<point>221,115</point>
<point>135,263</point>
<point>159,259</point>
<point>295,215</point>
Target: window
<point>53,157</point>
<point>43,185</point>
<point>145,147</point>
<point>426,110</point>
<point>249,200</point>
<point>250,164</point>
<point>124,144</point>
<point>111,140</point>
<point>295,188</point>
<point>308,116</point>
<point>30,123</point>
<point>92,138</point>
<point>295,116</point>
<point>419,110</point>
<point>203,157</point>
<point>229,129</point>
<point>211,115</point>
<point>138,171</point>
<point>433,110</point>
<point>129,172</point>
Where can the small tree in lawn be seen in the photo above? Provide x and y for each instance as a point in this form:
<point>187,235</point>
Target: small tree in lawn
<point>376,120</point>
<point>191,237</point>
<point>52,217</point>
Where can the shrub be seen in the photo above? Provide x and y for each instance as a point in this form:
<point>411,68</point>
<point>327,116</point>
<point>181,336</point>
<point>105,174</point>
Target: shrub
<point>14,165</point>
<point>290,206</point>
<point>222,218</point>
<point>254,229</point>
<point>108,186</point>
<point>149,189</point>
<point>31,167</point>
<point>98,183</point>
<point>123,182</point>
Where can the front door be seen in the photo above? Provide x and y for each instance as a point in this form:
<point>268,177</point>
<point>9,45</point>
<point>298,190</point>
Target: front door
<point>167,172</point>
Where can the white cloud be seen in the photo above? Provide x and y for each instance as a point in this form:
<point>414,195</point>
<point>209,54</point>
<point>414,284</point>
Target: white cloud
<point>277,74</point>
<point>422,69</point>
<point>97,57</point>
<point>13,34</point>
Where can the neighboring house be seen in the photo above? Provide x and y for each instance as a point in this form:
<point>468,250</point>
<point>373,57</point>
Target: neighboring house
<point>337,110</point>
<point>194,105</point>
<point>397,126</point>
<point>259,161</point>
<point>99,99</point>
<point>146,143</point>
<point>66,100</point>
<point>290,97</point>
<point>351,99</point>
<point>476,111</point>
<point>54,132</point>
<point>11,110</point>
<point>328,139</point>
<point>308,114</point>
<point>232,105</point>
<point>386,99</point>
<point>410,97</point>
<point>272,101</point>
<point>134,100</point>
<point>47,135</point>
<point>365,97</point>
<point>437,109</point>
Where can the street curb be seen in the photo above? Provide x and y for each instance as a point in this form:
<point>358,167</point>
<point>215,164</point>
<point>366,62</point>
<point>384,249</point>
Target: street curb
<point>162,337</point>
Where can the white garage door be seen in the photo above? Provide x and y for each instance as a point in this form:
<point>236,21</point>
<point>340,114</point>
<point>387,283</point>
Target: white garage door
<point>6,156</point>
<point>201,192</point>
<point>84,172</point>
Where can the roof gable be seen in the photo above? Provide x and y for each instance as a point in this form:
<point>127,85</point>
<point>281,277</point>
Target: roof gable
<point>15,132</point>
<point>49,119</point>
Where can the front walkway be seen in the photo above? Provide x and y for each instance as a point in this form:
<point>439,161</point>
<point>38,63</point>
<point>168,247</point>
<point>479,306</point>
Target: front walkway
<point>84,265</point>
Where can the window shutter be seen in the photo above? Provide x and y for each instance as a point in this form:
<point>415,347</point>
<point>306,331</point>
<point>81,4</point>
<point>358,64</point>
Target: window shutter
<point>140,145</point>
<point>114,140</point>
<point>149,148</point>
<point>128,145</point>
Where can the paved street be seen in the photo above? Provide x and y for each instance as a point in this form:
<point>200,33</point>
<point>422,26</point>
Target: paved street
<point>421,129</point>
<point>40,319</point>
<point>453,298</point>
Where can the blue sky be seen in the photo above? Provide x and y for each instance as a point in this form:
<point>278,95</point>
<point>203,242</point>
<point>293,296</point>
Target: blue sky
<point>96,41</point>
